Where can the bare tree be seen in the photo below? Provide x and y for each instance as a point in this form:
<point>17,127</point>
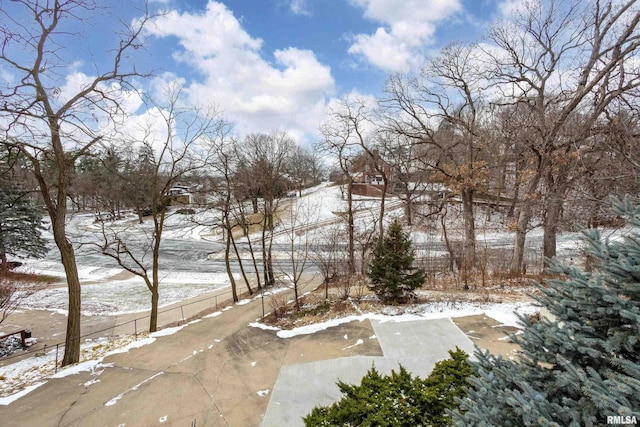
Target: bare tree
<point>304,168</point>
<point>267,156</point>
<point>401,153</point>
<point>567,65</point>
<point>356,118</point>
<point>225,165</point>
<point>340,140</point>
<point>442,109</point>
<point>183,148</point>
<point>298,235</point>
<point>13,293</point>
<point>52,127</point>
<point>330,255</point>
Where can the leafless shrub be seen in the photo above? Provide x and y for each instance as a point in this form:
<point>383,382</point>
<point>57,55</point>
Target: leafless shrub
<point>360,290</point>
<point>278,305</point>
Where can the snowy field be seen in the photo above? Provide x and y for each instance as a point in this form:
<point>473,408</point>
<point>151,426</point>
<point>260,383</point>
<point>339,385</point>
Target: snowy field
<point>195,267</point>
<point>192,250</point>
<point>192,267</point>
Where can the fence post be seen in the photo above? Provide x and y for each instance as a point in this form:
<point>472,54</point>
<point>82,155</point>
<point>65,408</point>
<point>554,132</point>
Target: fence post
<point>56,365</point>
<point>182,311</point>
<point>135,328</point>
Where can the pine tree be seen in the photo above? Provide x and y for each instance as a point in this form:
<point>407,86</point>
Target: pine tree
<point>391,270</point>
<point>579,365</point>
<point>20,226</point>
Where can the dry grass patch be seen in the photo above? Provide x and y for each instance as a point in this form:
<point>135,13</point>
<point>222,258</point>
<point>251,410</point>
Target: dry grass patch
<point>315,308</point>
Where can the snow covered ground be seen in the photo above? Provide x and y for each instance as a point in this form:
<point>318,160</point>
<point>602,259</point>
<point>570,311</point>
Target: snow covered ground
<point>192,252</point>
<point>116,297</point>
<point>192,267</point>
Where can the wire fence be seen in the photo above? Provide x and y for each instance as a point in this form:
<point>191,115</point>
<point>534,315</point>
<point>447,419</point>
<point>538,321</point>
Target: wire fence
<point>177,315</point>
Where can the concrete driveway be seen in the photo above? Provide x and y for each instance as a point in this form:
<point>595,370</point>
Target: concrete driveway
<point>417,345</point>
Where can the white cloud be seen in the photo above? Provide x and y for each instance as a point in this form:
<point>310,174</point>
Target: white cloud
<point>408,26</point>
<point>289,92</point>
<point>300,7</point>
<point>508,8</point>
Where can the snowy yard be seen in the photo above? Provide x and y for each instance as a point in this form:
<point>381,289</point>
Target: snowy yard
<point>193,268</point>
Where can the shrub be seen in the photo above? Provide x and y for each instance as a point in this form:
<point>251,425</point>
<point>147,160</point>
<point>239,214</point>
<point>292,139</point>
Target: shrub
<point>399,399</point>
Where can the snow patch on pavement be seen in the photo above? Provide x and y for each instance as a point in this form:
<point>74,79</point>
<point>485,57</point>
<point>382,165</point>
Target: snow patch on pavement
<point>505,313</point>
<point>115,400</point>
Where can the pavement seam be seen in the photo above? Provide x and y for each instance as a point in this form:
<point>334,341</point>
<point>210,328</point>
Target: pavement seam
<point>64,414</point>
<point>210,396</point>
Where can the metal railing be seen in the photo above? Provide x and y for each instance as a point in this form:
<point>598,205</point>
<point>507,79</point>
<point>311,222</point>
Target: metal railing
<point>120,329</point>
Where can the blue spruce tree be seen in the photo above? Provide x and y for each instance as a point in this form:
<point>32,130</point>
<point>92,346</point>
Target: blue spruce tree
<point>579,365</point>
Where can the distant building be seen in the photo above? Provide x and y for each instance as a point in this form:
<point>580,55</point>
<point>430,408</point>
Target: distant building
<point>368,177</point>
<point>179,195</point>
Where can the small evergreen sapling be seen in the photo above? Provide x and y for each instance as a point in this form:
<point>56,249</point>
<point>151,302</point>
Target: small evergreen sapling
<point>391,270</point>
<point>580,365</point>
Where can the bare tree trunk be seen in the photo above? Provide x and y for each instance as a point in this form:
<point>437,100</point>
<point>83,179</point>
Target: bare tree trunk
<point>72,339</point>
<point>552,214</point>
<point>153,319</point>
<point>58,212</point>
<point>239,258</point>
<point>524,216</point>
<point>383,197</point>
<point>446,239</point>
<point>267,265</point>
<point>469,229</point>
<point>254,261</point>
<point>408,208</point>
<point>270,272</point>
<point>350,229</point>
<point>158,221</point>
<point>4,267</point>
<point>245,230</point>
<point>227,264</point>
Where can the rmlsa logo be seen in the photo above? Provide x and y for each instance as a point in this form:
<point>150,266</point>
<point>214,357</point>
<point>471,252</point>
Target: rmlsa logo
<point>622,419</point>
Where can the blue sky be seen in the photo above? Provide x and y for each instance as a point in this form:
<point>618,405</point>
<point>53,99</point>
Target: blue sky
<point>278,64</point>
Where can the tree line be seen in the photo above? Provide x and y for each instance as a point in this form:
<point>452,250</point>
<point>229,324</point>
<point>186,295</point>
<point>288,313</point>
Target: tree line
<point>541,116</point>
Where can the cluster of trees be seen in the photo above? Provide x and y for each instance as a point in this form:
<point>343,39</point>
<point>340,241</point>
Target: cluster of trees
<point>541,116</point>
<point>579,363</point>
<point>77,145</point>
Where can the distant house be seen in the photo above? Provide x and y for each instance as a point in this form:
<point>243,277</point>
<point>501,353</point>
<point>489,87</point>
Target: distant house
<point>179,195</point>
<point>368,177</point>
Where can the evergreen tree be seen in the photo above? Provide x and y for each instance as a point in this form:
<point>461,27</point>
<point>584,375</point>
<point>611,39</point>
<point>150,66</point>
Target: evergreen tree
<point>399,399</point>
<point>20,226</point>
<point>391,270</point>
<point>579,365</point>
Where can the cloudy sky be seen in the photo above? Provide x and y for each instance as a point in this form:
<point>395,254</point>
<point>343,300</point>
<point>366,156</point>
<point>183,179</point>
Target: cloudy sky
<point>278,64</point>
